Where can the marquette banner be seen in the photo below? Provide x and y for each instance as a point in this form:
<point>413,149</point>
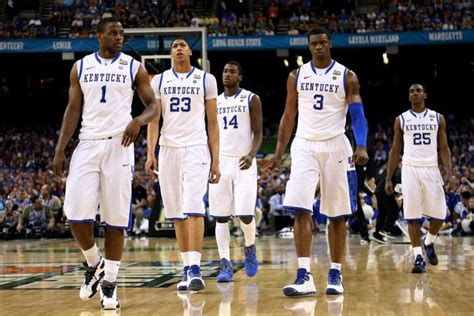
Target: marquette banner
<point>232,43</point>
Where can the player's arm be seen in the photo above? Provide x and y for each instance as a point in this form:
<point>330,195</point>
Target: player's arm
<point>70,120</point>
<point>287,122</point>
<point>394,155</point>
<point>359,122</point>
<point>213,134</point>
<point>444,151</point>
<point>151,111</point>
<point>153,128</point>
<point>256,124</point>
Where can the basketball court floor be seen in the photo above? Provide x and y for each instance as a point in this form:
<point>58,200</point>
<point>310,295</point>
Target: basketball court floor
<point>42,277</point>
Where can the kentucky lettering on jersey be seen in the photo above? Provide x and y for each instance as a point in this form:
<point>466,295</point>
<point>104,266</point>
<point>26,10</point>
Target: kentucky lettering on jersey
<point>183,97</point>
<point>235,130</point>
<point>107,86</point>
<point>322,104</point>
<point>420,135</point>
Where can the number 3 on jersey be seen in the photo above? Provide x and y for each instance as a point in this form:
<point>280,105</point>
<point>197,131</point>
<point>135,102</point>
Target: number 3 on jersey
<point>233,122</point>
<point>319,102</point>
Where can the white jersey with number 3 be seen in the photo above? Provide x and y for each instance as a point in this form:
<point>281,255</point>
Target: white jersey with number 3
<point>235,130</point>
<point>108,87</point>
<point>420,138</point>
<point>183,97</point>
<point>322,106</point>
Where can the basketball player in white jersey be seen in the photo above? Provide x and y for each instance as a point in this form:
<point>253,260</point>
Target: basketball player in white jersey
<point>321,91</point>
<point>420,131</point>
<point>101,169</point>
<point>188,158</point>
<point>239,113</point>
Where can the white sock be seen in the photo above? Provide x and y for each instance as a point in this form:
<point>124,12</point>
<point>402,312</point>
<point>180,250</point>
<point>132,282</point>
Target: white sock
<point>194,258</point>
<point>336,266</point>
<point>417,251</point>
<point>249,232</point>
<point>92,255</point>
<point>111,270</point>
<point>304,263</point>
<point>223,240</point>
<point>430,239</point>
<point>185,258</point>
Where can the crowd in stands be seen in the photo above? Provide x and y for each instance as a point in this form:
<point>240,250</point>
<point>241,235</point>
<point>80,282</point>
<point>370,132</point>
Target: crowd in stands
<point>31,196</point>
<point>297,17</point>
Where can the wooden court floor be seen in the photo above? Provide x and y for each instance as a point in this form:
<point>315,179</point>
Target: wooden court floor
<point>43,277</point>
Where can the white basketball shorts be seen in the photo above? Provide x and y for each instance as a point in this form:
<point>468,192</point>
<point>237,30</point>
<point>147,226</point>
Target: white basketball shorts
<point>183,174</point>
<point>236,192</point>
<point>423,193</point>
<point>328,162</point>
<point>100,173</point>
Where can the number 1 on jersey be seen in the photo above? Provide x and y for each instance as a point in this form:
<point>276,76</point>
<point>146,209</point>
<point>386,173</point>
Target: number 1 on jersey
<point>104,90</point>
<point>233,122</point>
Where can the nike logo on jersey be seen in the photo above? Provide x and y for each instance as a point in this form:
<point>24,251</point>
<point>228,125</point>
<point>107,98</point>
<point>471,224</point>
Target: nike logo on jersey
<point>339,161</point>
<point>124,165</point>
<point>306,77</point>
<point>90,67</point>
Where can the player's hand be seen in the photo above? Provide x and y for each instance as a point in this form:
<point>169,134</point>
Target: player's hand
<point>389,187</point>
<point>271,164</point>
<point>245,162</point>
<point>131,132</point>
<point>360,156</point>
<point>151,165</point>
<point>58,162</point>
<point>214,173</point>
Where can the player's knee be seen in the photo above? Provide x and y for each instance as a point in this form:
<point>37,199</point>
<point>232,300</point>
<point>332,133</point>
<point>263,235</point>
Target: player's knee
<point>301,215</point>
<point>246,219</point>
<point>222,220</point>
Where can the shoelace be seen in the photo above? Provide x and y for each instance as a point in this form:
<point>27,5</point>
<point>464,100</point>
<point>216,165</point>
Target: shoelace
<point>250,256</point>
<point>334,277</point>
<point>225,267</point>
<point>89,274</point>
<point>301,277</point>
<point>195,271</point>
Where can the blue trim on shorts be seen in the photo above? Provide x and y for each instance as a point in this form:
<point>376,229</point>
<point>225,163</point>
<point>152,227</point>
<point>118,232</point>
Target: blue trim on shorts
<point>239,216</point>
<point>297,208</point>
<point>352,182</point>
<point>218,216</point>
<point>195,214</point>
<point>176,218</point>
<point>116,227</point>
<point>80,221</point>
<point>336,217</point>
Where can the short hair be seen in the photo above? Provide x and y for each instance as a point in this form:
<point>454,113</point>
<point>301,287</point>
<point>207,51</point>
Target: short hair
<point>34,197</point>
<point>102,25</point>
<point>179,38</point>
<point>237,64</point>
<point>419,84</point>
<point>319,30</point>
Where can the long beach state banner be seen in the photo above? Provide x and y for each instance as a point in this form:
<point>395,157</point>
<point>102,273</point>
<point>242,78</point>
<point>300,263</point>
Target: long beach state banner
<point>228,43</point>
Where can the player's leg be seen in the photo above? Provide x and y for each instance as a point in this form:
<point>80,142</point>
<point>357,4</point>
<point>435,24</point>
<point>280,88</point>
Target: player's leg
<point>196,164</point>
<point>413,211</point>
<point>338,200</point>
<point>221,205</point>
<point>299,196</point>
<point>435,207</point>
<point>381,218</point>
<point>80,207</point>
<point>170,177</point>
<point>117,168</point>
<point>245,191</point>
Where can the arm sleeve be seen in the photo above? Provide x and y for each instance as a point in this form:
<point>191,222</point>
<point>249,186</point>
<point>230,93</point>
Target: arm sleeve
<point>359,123</point>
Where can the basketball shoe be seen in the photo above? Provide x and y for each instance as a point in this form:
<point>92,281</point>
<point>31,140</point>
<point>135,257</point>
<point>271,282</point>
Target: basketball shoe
<point>430,252</point>
<point>335,285</point>
<point>196,283</point>
<point>419,266</point>
<point>108,296</point>
<point>225,271</point>
<point>183,284</point>
<point>92,278</point>
<point>303,285</point>
<point>251,263</point>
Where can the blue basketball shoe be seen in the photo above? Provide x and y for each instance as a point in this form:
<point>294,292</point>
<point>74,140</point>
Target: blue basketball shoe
<point>419,266</point>
<point>430,252</point>
<point>225,271</point>
<point>196,283</point>
<point>335,285</point>
<point>251,263</point>
<point>183,284</point>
